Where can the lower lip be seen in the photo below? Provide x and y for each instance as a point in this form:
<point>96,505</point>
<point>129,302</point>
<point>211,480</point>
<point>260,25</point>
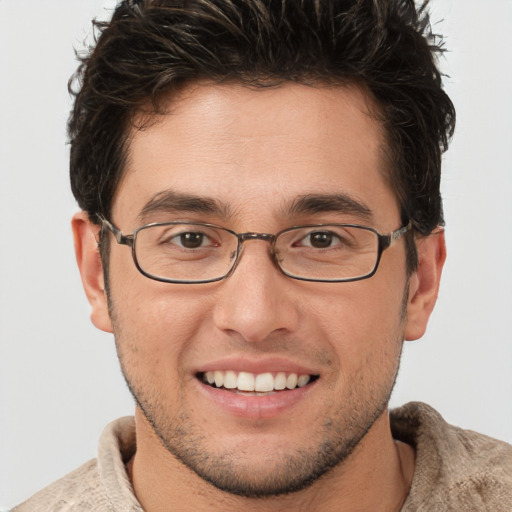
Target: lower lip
<point>256,407</point>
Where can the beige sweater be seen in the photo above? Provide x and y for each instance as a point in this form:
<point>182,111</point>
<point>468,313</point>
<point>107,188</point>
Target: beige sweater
<point>456,470</point>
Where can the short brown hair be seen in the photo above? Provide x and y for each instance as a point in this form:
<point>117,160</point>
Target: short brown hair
<point>152,47</point>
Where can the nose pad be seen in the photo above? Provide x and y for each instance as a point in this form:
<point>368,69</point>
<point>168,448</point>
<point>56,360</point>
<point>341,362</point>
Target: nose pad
<point>244,237</point>
<point>256,300</point>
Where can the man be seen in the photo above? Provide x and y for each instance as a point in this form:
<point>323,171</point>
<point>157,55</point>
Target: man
<point>273,169</point>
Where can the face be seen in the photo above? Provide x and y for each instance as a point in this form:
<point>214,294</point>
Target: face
<point>254,154</point>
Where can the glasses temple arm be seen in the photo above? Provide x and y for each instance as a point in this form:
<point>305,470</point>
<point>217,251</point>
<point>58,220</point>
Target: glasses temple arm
<point>395,235</point>
<point>118,234</point>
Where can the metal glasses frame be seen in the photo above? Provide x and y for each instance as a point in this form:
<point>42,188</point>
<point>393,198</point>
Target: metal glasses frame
<point>385,241</point>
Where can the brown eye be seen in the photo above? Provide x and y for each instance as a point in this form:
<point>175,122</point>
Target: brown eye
<point>321,239</point>
<point>191,240</point>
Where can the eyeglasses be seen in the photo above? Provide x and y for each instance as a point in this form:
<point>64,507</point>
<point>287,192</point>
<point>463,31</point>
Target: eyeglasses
<point>193,253</point>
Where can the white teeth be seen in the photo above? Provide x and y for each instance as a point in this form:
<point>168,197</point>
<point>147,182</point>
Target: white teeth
<point>219,379</point>
<point>302,380</point>
<point>280,381</point>
<point>259,383</point>
<point>291,381</point>
<point>230,380</point>
<point>245,381</point>
<point>264,382</point>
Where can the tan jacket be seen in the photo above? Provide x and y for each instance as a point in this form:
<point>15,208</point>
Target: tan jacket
<point>456,470</point>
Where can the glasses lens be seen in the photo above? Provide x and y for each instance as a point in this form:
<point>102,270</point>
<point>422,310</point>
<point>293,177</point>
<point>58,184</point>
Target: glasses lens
<point>328,253</point>
<point>185,252</point>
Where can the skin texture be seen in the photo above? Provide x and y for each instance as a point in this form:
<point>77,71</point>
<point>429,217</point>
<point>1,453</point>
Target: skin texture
<point>255,152</point>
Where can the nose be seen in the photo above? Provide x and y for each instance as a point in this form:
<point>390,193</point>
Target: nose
<point>257,300</point>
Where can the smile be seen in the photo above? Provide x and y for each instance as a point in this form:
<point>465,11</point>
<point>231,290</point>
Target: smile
<point>255,384</point>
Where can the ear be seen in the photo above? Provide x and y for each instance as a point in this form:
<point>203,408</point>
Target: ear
<point>86,237</point>
<point>424,283</point>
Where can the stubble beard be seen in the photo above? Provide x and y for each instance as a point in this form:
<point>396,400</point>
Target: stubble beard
<point>234,473</point>
<point>289,473</point>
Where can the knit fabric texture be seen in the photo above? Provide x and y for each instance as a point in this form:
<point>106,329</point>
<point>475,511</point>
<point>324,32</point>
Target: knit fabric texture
<point>456,470</point>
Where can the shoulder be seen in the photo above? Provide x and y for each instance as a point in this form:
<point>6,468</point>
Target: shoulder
<point>456,469</point>
<point>76,491</point>
<point>101,484</point>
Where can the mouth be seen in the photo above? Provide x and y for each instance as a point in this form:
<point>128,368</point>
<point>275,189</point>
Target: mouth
<point>255,384</point>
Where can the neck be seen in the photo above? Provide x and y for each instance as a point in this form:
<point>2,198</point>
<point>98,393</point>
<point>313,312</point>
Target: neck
<point>376,476</point>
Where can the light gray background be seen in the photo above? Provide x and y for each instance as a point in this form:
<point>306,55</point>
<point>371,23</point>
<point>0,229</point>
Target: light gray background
<point>59,379</point>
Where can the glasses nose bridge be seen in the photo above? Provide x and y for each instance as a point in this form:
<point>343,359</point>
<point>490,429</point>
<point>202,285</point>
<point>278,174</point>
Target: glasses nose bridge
<point>266,237</point>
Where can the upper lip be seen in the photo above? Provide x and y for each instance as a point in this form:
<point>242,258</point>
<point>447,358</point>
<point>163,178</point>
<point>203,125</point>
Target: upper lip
<point>256,366</point>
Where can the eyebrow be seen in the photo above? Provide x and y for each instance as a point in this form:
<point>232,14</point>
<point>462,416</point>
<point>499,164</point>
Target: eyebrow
<point>170,201</point>
<point>331,203</point>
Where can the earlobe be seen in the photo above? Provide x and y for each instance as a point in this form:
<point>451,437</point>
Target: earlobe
<point>424,283</point>
<point>86,235</point>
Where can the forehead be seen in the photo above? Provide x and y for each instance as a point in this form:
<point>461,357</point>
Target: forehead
<point>244,146</point>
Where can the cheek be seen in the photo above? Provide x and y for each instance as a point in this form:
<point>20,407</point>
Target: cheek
<point>154,323</point>
<point>166,309</point>
<point>362,323</point>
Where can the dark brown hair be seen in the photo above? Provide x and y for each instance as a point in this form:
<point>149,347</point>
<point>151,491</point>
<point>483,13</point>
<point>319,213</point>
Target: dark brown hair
<point>152,47</point>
